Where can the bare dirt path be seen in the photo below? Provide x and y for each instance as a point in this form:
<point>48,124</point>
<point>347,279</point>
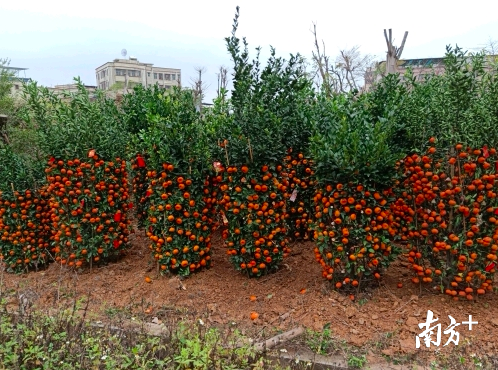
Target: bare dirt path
<point>385,318</point>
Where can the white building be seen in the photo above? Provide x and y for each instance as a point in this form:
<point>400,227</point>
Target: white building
<point>129,72</point>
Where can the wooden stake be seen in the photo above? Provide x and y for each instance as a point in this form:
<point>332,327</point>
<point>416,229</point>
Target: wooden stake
<point>250,149</point>
<point>226,153</point>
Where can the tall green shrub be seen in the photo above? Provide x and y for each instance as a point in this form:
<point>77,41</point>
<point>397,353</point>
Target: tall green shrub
<point>355,169</point>
<point>71,124</point>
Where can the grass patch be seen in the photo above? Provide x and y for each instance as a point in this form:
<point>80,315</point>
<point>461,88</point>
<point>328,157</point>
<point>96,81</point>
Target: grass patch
<point>66,340</point>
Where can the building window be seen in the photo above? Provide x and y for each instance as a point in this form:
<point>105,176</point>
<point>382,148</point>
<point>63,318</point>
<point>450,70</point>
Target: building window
<point>155,76</point>
<point>148,74</point>
<point>120,72</point>
<point>133,73</point>
<point>173,76</point>
<point>167,77</point>
<point>160,76</point>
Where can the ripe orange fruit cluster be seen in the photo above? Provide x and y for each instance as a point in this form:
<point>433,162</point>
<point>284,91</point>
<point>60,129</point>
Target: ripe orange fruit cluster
<point>89,201</point>
<point>180,220</point>
<point>139,182</point>
<point>353,231</point>
<point>449,207</point>
<point>24,229</point>
<point>253,202</point>
<point>297,175</point>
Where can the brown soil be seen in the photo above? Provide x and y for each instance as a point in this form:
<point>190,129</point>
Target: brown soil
<point>384,319</point>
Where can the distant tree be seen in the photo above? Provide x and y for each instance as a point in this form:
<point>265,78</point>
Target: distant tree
<point>491,47</point>
<point>351,67</point>
<point>343,74</point>
<point>19,135</point>
<point>6,83</point>
<point>199,87</point>
<point>222,81</point>
<point>7,103</point>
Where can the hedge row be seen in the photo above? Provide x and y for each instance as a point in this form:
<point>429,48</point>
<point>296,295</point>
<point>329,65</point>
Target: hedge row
<point>277,160</point>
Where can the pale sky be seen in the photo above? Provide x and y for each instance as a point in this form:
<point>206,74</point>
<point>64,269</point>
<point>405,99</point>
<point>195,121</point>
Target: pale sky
<point>58,40</point>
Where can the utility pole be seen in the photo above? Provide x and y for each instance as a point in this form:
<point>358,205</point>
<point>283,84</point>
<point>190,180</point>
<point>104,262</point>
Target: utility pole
<point>393,53</point>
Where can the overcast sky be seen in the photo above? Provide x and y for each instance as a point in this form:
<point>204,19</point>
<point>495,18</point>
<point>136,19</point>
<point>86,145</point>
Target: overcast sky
<point>58,40</point>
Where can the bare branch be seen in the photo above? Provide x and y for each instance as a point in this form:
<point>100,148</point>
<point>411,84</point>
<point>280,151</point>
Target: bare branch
<point>387,40</point>
<point>222,77</point>
<point>199,88</point>
<point>491,47</point>
<point>344,74</point>
<point>400,50</point>
<point>318,58</point>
